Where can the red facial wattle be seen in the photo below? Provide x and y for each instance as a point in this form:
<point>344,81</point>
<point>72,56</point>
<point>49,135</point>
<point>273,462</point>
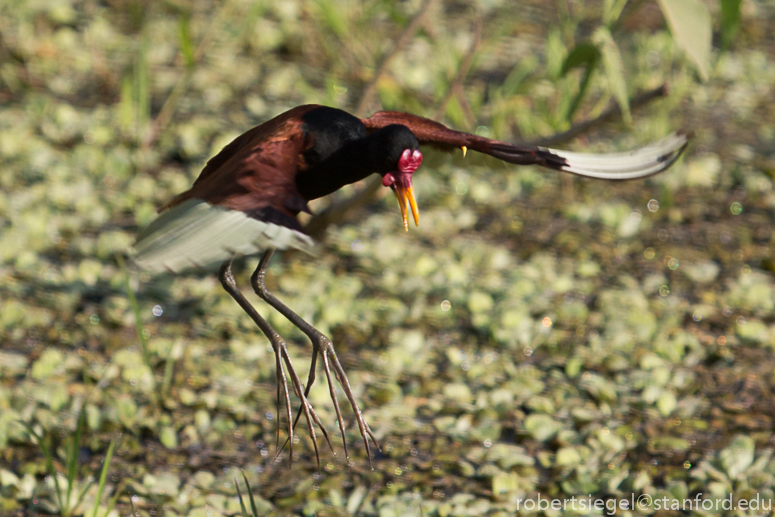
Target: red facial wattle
<point>409,161</point>
<point>401,183</point>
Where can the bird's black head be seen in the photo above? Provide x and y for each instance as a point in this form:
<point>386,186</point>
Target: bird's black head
<point>395,153</point>
<point>392,151</point>
<point>387,146</point>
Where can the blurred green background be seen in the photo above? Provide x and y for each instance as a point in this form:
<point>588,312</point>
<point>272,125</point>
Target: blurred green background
<point>538,333</point>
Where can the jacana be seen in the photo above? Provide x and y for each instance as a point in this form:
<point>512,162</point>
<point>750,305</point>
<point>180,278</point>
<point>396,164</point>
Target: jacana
<point>246,199</point>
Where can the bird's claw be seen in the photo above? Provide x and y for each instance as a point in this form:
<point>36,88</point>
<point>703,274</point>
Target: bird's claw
<point>327,352</point>
<point>281,356</point>
<point>363,426</point>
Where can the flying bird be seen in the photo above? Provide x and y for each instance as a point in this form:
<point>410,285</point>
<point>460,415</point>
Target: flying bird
<point>246,199</point>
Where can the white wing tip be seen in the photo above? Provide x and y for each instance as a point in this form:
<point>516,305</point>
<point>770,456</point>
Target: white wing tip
<point>646,161</point>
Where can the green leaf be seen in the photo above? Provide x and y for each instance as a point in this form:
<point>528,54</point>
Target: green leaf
<point>142,84</point>
<point>521,72</point>
<point>691,25</point>
<point>241,501</point>
<point>104,477</point>
<point>555,54</point>
<point>612,9</point>
<point>730,21</point>
<point>72,456</point>
<point>614,69</point>
<point>184,37</point>
<point>126,111</point>
<point>331,15</point>
<point>250,495</point>
<point>49,463</point>
<point>583,54</point>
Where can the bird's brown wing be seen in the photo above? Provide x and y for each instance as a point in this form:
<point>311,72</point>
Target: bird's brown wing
<point>257,169</point>
<point>244,201</point>
<point>430,132</point>
<point>614,166</point>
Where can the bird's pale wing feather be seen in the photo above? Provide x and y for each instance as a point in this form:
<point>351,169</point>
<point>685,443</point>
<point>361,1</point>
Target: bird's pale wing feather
<point>195,233</point>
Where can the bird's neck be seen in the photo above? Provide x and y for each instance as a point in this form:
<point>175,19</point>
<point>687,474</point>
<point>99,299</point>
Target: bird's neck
<point>347,165</point>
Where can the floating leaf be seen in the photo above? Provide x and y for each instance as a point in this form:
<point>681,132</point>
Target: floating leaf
<point>505,482</point>
<point>666,403</point>
<point>737,456</point>
<point>168,437</point>
<point>568,457</point>
<point>541,427</point>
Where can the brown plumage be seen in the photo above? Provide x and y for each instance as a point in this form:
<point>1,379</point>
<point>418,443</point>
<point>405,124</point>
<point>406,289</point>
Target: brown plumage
<point>257,169</point>
<point>247,197</point>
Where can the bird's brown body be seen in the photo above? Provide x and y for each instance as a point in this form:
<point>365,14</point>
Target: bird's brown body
<point>247,197</point>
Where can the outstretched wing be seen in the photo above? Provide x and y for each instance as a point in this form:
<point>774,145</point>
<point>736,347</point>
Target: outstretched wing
<point>243,202</point>
<point>640,163</point>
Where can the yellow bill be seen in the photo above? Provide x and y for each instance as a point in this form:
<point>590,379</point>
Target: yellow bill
<point>406,201</point>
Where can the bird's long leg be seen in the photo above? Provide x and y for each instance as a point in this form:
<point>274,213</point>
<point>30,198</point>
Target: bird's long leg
<point>321,344</point>
<point>281,356</point>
